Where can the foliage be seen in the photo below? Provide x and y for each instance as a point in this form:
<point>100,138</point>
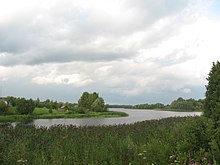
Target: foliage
<point>91,102</point>
<point>187,105</point>
<point>39,104</point>
<point>174,140</point>
<point>44,113</point>
<point>212,100</point>
<point>119,106</point>
<point>84,101</point>
<point>150,106</point>
<point>98,105</point>
<point>3,107</point>
<point>25,106</point>
<point>179,104</point>
<point>216,112</point>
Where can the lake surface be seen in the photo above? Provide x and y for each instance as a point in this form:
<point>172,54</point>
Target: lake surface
<point>134,116</point>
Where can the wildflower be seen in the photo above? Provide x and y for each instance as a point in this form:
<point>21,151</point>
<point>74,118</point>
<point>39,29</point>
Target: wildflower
<point>204,159</point>
<point>172,157</point>
<point>22,161</point>
<point>140,154</point>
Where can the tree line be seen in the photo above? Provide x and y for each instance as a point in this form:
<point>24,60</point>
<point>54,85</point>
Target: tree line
<point>178,104</point>
<point>88,102</point>
<point>23,106</point>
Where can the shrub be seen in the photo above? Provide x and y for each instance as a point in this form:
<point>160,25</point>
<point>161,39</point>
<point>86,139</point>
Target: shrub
<point>25,107</point>
<point>3,107</point>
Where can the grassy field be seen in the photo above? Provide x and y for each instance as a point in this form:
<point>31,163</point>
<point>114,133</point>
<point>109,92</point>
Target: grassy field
<point>43,113</point>
<point>168,141</point>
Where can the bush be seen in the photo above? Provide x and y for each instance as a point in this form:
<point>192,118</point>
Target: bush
<point>3,107</point>
<point>25,107</point>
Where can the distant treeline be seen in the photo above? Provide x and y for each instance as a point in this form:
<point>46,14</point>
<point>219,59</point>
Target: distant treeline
<point>88,102</point>
<point>179,104</point>
<point>50,104</point>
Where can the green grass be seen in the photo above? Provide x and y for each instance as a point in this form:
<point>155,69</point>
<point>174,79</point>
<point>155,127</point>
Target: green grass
<point>14,118</point>
<point>43,113</point>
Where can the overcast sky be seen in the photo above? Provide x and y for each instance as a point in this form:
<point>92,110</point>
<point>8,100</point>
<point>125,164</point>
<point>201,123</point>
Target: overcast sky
<point>129,51</point>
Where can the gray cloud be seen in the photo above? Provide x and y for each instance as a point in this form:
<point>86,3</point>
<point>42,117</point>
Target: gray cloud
<point>66,32</point>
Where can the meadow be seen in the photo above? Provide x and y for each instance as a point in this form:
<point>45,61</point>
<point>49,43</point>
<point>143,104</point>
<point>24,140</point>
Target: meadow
<point>168,141</point>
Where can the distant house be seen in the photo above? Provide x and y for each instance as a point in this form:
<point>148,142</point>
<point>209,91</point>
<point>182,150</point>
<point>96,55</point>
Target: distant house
<point>62,108</point>
<point>2,100</point>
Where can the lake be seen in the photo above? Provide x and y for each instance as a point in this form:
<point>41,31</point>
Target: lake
<point>135,115</point>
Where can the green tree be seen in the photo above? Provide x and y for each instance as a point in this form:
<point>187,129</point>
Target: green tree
<point>3,107</point>
<point>11,100</point>
<point>91,102</point>
<point>87,99</point>
<point>212,94</point>
<point>93,96</point>
<point>188,105</point>
<point>98,105</point>
<point>37,102</point>
<point>25,106</point>
<point>84,101</point>
<point>55,105</point>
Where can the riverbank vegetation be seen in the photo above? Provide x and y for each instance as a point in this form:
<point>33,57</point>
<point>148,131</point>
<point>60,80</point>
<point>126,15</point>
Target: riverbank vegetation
<point>21,109</point>
<point>179,104</point>
<point>166,141</point>
<point>44,113</point>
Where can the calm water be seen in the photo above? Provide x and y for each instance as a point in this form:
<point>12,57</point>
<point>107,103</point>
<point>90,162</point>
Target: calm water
<point>134,116</point>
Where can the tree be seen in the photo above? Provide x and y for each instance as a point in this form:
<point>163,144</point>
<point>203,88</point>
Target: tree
<point>98,105</point>
<point>25,106</point>
<point>37,103</point>
<point>91,102</point>
<point>3,107</point>
<point>216,112</point>
<point>87,99</point>
<point>11,100</point>
<point>84,101</point>
<point>212,94</point>
<point>188,105</point>
<point>93,97</point>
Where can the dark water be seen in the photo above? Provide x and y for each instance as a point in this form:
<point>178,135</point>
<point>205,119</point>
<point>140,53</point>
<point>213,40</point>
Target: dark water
<point>134,116</point>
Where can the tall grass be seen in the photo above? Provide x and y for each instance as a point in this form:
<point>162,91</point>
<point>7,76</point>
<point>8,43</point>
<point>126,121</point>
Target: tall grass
<point>158,142</point>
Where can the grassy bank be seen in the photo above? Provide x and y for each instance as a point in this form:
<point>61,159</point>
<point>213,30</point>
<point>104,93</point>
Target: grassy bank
<point>180,140</point>
<point>43,113</point>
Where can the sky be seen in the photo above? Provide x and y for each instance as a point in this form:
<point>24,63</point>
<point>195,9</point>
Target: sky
<point>130,52</point>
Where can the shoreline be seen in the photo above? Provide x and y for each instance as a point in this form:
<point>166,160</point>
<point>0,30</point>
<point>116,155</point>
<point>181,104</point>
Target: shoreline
<point>25,118</point>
